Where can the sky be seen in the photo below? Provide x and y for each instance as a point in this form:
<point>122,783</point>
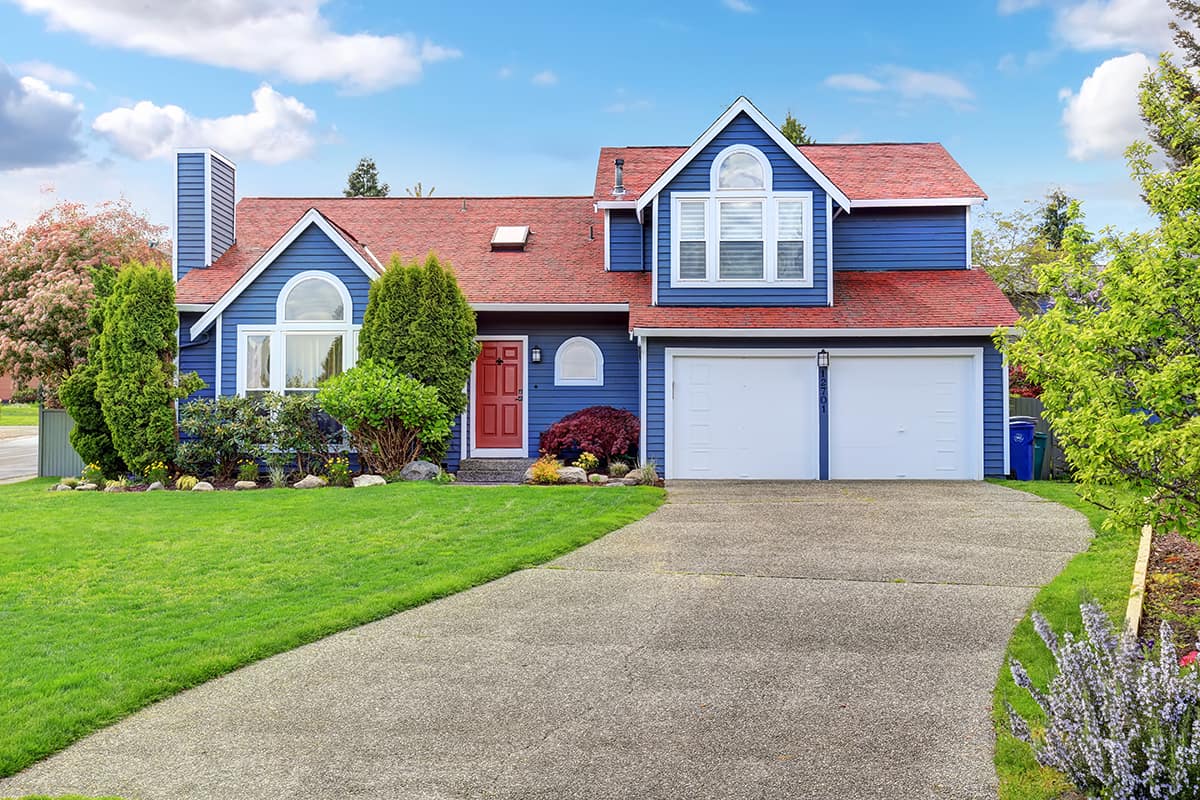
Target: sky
<point>517,98</point>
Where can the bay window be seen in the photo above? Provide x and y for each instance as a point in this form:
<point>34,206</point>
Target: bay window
<point>742,232</point>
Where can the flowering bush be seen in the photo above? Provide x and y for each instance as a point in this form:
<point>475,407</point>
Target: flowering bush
<point>545,470</point>
<point>587,462</point>
<point>337,471</point>
<point>1121,724</point>
<point>600,430</point>
<point>93,473</point>
<point>219,433</point>
<point>156,473</point>
<point>185,483</point>
<point>248,470</point>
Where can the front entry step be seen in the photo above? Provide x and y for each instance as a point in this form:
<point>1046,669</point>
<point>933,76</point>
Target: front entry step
<point>493,470</point>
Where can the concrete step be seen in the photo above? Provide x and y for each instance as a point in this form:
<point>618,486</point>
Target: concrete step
<point>493,470</point>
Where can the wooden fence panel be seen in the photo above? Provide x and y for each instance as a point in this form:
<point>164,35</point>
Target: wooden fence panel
<point>1055,464</point>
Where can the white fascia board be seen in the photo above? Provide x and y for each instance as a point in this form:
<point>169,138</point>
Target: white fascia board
<point>208,209</point>
<point>192,307</point>
<point>311,217</point>
<point>572,307</point>
<point>607,240</point>
<point>809,333</point>
<point>743,105</point>
<point>919,202</point>
<point>627,205</point>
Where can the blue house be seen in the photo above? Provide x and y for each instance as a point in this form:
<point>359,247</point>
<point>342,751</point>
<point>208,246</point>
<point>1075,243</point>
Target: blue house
<point>767,311</point>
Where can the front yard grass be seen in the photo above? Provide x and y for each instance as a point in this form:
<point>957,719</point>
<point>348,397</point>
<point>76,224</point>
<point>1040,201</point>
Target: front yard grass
<point>109,602</point>
<point>18,414</point>
<point>1101,574</point>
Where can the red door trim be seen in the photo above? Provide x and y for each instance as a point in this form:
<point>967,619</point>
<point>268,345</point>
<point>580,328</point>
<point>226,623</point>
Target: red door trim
<point>499,413</point>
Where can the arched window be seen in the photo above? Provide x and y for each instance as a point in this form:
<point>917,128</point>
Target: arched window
<point>741,170</point>
<point>313,338</point>
<point>578,362</point>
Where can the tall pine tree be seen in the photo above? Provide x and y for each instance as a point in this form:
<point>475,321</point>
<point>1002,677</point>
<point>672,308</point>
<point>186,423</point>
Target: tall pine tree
<point>364,180</point>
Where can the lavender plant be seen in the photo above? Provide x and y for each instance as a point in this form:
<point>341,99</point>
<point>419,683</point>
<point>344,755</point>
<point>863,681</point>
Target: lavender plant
<point>1122,723</point>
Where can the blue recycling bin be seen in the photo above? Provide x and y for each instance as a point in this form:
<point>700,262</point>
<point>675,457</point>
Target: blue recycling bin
<point>1020,447</point>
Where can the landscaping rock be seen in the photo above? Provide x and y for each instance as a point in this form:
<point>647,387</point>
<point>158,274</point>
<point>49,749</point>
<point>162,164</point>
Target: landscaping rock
<point>633,478</point>
<point>62,487</point>
<point>368,480</point>
<point>571,475</point>
<point>203,486</point>
<point>310,482</point>
<point>242,486</point>
<point>420,471</point>
<point>598,479</point>
<point>528,476</point>
<point>114,489</point>
<point>86,487</point>
<point>155,487</point>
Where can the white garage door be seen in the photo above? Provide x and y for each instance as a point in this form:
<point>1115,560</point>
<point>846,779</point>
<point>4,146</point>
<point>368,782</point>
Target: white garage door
<point>743,416</point>
<point>903,417</point>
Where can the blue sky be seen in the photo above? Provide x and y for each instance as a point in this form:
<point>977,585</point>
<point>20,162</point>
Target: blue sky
<point>517,98</point>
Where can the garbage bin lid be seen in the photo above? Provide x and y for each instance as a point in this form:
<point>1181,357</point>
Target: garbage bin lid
<point>1026,420</point>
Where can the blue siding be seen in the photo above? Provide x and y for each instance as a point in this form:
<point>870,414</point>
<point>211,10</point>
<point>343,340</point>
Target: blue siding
<point>647,243</point>
<point>312,250</point>
<point>901,238</point>
<point>549,403</point>
<point>624,242</point>
<point>788,176</point>
<point>189,221</point>
<point>201,357</point>
<point>223,190</point>
<point>993,391</point>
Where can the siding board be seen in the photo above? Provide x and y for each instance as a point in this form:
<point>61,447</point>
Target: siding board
<point>189,219</point>
<point>900,238</point>
<point>624,242</point>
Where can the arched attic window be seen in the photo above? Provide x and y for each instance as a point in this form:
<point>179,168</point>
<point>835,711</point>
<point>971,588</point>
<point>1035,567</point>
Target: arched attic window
<point>578,362</point>
<point>313,338</point>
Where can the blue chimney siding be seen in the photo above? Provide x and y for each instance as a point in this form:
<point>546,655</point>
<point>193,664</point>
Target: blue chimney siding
<point>224,184</point>
<point>189,213</point>
<point>624,242</point>
<point>901,238</point>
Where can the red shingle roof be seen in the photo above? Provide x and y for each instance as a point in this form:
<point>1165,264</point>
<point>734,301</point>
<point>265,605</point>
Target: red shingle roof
<point>901,299</point>
<point>560,264</point>
<point>862,171</point>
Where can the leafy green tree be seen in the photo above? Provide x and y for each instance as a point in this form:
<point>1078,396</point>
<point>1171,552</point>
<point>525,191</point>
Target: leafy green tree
<point>418,320</point>
<point>1170,94</point>
<point>136,383</point>
<point>1055,217</point>
<point>363,181</point>
<point>795,131</point>
<point>1008,246</point>
<point>91,437</point>
<point>417,190</point>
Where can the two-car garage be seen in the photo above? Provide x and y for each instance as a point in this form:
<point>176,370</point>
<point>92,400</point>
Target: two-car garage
<point>759,413</point>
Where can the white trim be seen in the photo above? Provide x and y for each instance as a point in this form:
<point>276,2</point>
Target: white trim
<point>504,452</point>
<point>217,374</point>
<point>559,380</point>
<point>770,201</point>
<point>829,333</point>
<point>970,230</point>
<point>373,258</point>
<point>654,254</point>
<point>1007,396</point>
<point>278,333</point>
<point>311,217</point>
<point>607,251</point>
<point>208,204</point>
<point>321,275</point>
<point>739,106</point>
<point>976,353</point>
<point>628,205</point>
<point>714,169</point>
<point>671,353</point>
<point>828,253</point>
<point>214,153</point>
<point>918,202</point>
<point>572,307</point>
<point>642,363</point>
<point>192,307</point>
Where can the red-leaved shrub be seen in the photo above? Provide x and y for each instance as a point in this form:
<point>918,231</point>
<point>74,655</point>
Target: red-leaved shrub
<point>1019,383</point>
<point>601,430</point>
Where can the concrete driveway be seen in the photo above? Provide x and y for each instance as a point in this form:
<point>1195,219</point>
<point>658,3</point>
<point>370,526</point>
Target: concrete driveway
<point>811,640</point>
<point>18,452</point>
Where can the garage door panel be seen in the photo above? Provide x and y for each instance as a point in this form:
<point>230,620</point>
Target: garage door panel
<point>902,417</point>
<point>740,416</point>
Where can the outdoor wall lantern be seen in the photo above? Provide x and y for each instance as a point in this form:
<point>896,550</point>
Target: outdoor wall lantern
<point>535,354</point>
<point>823,359</point>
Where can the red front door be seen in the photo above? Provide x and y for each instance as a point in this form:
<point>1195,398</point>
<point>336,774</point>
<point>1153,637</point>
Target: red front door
<point>498,398</point>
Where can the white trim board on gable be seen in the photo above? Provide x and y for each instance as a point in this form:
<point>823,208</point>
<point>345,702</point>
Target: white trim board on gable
<point>310,218</point>
<point>742,105</point>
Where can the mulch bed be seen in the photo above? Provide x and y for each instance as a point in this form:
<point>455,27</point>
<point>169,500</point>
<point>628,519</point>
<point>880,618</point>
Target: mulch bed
<point>1173,589</point>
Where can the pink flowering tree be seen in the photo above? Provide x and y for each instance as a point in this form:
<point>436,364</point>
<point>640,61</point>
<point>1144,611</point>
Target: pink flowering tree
<point>46,283</point>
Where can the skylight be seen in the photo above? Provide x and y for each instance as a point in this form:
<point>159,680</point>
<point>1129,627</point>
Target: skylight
<point>510,236</point>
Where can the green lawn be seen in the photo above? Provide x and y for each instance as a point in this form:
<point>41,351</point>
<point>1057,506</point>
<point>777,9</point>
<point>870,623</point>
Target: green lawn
<point>109,602</point>
<point>18,414</point>
<point>1102,574</point>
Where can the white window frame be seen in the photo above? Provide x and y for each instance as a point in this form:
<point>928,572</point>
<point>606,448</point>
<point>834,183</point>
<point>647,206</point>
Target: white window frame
<point>770,200</point>
<point>582,341</point>
<point>279,332</point>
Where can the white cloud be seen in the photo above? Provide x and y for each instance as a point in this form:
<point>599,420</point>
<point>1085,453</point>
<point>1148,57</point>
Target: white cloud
<point>740,6</point>
<point>278,129</point>
<point>1103,118</point>
<point>39,126</point>
<point>1116,25</point>
<point>544,78</point>
<point>50,73</point>
<point>854,82</point>
<point>290,38</point>
<point>907,83</point>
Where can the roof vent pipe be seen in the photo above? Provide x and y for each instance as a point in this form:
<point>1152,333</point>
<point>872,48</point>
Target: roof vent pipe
<point>619,178</point>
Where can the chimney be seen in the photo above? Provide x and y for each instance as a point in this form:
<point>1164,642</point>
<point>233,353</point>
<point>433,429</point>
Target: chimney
<point>205,227</point>
<point>619,178</point>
